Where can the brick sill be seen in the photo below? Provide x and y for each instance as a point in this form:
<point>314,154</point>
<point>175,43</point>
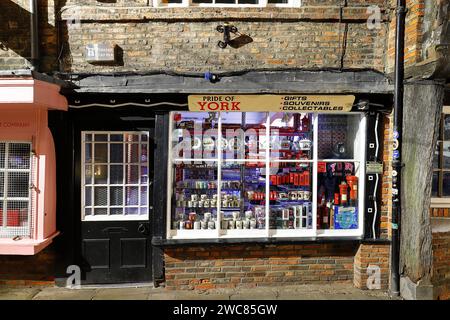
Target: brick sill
<point>307,13</point>
<point>159,242</point>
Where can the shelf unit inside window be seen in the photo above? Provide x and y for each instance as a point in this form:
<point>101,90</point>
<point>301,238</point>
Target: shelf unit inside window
<point>228,164</point>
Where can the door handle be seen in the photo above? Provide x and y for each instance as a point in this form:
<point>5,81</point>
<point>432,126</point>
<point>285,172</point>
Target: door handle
<point>143,228</point>
<point>115,230</point>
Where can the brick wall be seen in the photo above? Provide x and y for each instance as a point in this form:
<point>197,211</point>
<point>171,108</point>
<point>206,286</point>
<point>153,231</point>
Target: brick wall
<point>386,189</point>
<point>28,270</point>
<point>440,212</point>
<point>214,267</point>
<point>185,39</point>
<point>15,44</point>
<point>441,265</point>
<point>371,260</point>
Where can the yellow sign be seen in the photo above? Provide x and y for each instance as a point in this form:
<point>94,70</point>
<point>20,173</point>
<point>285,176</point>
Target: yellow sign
<point>273,103</point>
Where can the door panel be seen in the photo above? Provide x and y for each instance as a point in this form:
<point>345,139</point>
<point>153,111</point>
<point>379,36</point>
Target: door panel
<point>116,173</point>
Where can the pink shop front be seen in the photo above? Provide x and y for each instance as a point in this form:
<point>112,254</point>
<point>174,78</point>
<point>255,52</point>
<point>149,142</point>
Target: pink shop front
<point>27,165</point>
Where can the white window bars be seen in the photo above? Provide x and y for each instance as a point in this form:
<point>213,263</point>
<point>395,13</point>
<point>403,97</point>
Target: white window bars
<point>115,182</point>
<point>15,193</point>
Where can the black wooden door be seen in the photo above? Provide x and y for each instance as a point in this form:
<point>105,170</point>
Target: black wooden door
<point>115,165</point>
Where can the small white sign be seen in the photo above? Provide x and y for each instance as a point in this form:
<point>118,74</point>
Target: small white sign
<point>100,52</point>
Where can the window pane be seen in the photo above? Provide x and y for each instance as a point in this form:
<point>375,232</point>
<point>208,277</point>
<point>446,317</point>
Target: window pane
<point>101,196</point>
<point>446,155</point>
<point>101,137</point>
<point>171,1</point>
<point>337,196</point>
<point>88,196</point>
<point>446,126</point>
<point>436,155</point>
<point>18,184</point>
<point>19,156</point>
<point>116,174</point>
<point>132,196</point>
<point>248,1</point>
<point>88,175</point>
<point>17,213</point>
<point>241,134</point>
<point>194,135</point>
<point>290,196</point>
<point>88,152</point>
<point>435,184</point>
<point>277,1</point>
<point>337,136</point>
<point>202,1</point>
<point>132,174</point>
<point>100,174</point>
<point>2,155</point>
<point>243,194</point>
<point>116,211</point>
<point>195,197</point>
<point>116,196</point>
<point>225,1</point>
<point>291,136</point>
<point>132,153</point>
<point>446,184</point>
<point>116,137</point>
<point>2,185</point>
<point>116,153</point>
<point>101,153</point>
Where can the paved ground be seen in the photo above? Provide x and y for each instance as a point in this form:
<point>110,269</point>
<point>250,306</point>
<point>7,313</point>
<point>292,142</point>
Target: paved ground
<point>299,292</point>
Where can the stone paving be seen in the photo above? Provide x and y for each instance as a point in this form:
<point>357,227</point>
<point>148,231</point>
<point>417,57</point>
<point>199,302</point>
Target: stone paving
<point>298,292</point>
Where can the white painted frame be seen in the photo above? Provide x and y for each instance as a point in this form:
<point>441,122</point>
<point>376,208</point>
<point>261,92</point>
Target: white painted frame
<point>359,160</point>
<point>13,231</point>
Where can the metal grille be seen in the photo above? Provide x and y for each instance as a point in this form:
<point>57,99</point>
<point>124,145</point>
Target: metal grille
<point>15,195</point>
<point>114,180</point>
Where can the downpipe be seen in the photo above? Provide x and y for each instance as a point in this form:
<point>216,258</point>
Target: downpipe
<point>34,35</point>
<point>397,156</point>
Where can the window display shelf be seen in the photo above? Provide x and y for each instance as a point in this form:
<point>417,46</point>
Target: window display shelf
<point>286,191</point>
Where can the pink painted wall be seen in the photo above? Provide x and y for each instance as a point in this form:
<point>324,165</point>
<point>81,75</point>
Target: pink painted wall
<point>24,117</point>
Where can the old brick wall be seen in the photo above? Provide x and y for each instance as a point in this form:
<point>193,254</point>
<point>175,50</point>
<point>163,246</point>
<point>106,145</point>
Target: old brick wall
<point>372,260</point>
<point>185,39</point>
<point>28,270</point>
<point>441,265</point>
<point>15,44</point>
<point>214,267</point>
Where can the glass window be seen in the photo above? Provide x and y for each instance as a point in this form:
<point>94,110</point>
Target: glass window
<point>256,174</point>
<point>441,160</point>
<point>15,182</point>
<point>115,181</point>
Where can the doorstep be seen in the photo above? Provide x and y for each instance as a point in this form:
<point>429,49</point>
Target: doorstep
<point>25,247</point>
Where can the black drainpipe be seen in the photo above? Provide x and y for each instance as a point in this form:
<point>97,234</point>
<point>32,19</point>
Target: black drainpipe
<point>397,160</point>
<point>34,37</point>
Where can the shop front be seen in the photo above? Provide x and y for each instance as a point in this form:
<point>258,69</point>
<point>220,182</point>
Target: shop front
<point>210,191</point>
<point>27,165</point>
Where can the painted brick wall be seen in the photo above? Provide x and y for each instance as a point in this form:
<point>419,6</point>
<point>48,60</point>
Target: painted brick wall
<point>441,265</point>
<point>213,267</point>
<point>370,260</point>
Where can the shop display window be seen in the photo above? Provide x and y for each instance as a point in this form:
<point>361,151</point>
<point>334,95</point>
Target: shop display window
<point>256,174</point>
<point>15,196</point>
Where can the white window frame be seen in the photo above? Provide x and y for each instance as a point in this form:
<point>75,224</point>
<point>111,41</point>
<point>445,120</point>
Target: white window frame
<point>11,232</point>
<point>444,201</point>
<point>108,217</point>
<point>260,4</point>
<point>359,150</point>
